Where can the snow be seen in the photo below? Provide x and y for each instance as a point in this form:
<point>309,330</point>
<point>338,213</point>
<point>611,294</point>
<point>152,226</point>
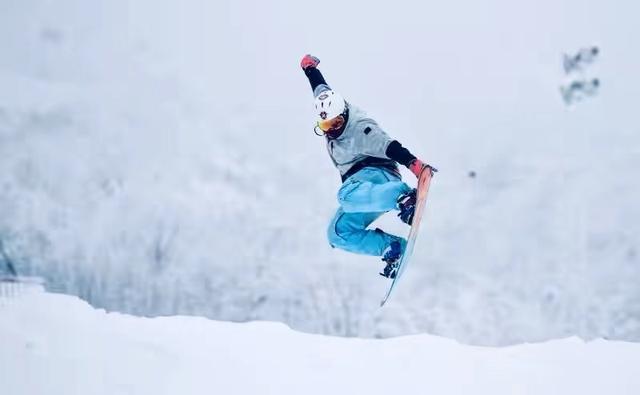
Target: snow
<point>58,344</point>
<point>157,158</point>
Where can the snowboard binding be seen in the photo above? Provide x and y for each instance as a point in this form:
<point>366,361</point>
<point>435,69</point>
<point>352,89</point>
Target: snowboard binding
<point>392,258</point>
<point>407,206</point>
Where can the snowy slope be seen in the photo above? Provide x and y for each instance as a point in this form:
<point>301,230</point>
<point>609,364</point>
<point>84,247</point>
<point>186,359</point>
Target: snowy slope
<point>56,344</point>
<point>157,158</point>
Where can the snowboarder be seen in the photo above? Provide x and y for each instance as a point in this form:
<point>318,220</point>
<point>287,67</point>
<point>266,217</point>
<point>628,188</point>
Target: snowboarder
<point>367,159</point>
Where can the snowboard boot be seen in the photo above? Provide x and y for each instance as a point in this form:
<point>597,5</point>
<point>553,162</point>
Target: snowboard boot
<point>407,205</point>
<point>391,257</point>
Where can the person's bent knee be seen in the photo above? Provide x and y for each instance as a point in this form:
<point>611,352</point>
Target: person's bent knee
<point>335,239</point>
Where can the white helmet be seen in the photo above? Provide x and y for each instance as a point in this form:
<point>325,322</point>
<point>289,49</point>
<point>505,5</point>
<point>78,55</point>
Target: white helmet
<point>329,104</point>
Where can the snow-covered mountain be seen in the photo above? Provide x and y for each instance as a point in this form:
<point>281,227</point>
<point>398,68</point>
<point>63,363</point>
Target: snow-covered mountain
<point>58,344</point>
<point>157,158</point>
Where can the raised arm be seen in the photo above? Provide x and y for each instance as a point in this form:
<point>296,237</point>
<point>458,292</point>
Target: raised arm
<point>309,65</point>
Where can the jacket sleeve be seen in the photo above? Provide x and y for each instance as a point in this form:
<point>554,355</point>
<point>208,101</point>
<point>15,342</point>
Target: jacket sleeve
<point>374,141</point>
<point>397,152</point>
<point>377,143</point>
<point>318,84</point>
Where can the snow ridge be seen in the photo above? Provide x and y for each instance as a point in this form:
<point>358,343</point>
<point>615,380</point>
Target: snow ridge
<point>58,344</point>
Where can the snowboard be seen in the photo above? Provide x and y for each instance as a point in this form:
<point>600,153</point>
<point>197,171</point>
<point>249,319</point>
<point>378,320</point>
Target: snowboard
<point>423,188</point>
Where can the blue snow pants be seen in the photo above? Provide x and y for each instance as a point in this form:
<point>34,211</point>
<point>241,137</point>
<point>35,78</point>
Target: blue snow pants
<point>363,198</point>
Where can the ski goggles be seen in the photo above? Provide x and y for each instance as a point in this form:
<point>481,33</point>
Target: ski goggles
<point>329,125</point>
